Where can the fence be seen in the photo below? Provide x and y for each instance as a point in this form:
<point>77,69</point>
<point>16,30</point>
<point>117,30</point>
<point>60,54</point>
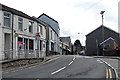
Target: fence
<point>18,54</point>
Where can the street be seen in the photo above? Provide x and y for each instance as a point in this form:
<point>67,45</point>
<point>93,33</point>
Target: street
<point>67,66</point>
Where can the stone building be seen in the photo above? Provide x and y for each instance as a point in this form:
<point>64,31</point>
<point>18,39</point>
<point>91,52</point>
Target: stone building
<point>19,31</point>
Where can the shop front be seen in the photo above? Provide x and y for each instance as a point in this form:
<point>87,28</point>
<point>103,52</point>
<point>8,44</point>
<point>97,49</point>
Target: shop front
<point>41,46</point>
<point>25,46</point>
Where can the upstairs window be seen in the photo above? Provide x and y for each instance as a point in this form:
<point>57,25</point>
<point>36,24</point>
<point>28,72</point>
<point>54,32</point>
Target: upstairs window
<point>7,19</point>
<point>30,27</point>
<point>20,24</point>
<point>37,28</point>
<point>41,31</point>
<point>51,34</point>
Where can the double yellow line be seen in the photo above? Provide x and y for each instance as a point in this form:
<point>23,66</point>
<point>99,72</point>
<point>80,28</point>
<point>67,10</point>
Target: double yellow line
<point>108,74</point>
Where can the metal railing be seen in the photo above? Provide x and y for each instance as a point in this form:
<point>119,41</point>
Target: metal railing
<point>19,54</point>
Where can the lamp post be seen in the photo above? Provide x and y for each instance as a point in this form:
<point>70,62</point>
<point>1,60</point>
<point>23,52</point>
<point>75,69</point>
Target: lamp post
<point>97,47</point>
<point>102,12</point>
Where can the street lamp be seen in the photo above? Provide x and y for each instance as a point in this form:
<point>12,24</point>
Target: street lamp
<point>102,12</point>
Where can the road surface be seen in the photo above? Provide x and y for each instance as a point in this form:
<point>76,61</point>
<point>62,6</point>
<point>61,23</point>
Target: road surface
<point>67,66</point>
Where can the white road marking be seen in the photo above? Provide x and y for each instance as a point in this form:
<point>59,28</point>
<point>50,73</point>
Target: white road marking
<point>73,58</point>
<point>58,70</point>
<point>63,67</point>
<point>111,67</point>
<point>70,63</point>
<point>99,61</point>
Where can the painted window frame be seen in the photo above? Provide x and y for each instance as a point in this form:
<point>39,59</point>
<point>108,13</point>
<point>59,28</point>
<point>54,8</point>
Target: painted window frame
<point>10,19</point>
<point>30,24</point>
<point>20,22</point>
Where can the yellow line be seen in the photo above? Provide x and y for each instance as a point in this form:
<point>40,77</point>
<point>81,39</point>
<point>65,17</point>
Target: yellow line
<point>110,73</point>
<point>106,74</point>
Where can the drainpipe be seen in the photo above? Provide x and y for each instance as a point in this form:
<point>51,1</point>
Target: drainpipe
<point>12,34</point>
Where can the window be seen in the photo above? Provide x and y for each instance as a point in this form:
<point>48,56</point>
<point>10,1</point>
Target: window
<point>41,31</point>
<point>38,29</point>
<point>51,34</point>
<point>40,45</point>
<point>52,46</point>
<point>31,44</point>
<point>30,27</point>
<point>7,19</point>
<point>20,24</point>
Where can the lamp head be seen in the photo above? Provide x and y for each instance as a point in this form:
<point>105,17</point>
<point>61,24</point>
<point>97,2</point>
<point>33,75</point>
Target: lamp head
<point>102,12</point>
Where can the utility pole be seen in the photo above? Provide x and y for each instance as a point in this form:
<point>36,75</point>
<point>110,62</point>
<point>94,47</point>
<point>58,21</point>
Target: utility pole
<point>102,12</point>
<point>97,47</point>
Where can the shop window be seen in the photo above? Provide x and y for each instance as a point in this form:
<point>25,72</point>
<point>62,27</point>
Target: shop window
<point>31,44</point>
<point>40,44</point>
<point>20,43</point>
<point>26,44</point>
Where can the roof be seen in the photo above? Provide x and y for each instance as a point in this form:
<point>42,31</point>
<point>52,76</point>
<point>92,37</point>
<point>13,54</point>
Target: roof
<point>65,39</point>
<point>53,23</point>
<point>39,21</point>
<point>14,11</point>
<point>101,27</point>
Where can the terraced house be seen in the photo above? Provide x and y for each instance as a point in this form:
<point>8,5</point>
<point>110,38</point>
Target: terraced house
<point>53,33</point>
<point>20,34</point>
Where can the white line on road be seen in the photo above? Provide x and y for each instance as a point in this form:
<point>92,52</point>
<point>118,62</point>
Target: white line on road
<point>99,61</point>
<point>70,63</point>
<point>58,71</point>
<point>111,67</point>
<point>73,58</point>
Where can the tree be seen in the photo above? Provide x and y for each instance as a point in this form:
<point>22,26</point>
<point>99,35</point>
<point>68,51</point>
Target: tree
<point>78,46</point>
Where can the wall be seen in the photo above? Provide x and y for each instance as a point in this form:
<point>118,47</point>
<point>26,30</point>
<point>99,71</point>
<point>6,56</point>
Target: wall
<point>91,44</point>
<point>1,41</point>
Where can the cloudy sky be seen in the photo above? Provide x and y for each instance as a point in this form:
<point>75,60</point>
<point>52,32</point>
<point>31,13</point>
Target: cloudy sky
<point>74,16</point>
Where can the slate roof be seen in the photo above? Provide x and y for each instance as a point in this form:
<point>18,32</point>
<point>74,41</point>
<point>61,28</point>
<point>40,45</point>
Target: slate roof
<point>101,27</point>
<point>40,21</point>
<point>53,23</point>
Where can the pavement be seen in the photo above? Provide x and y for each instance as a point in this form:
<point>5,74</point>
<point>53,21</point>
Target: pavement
<point>12,69</point>
<point>68,66</point>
